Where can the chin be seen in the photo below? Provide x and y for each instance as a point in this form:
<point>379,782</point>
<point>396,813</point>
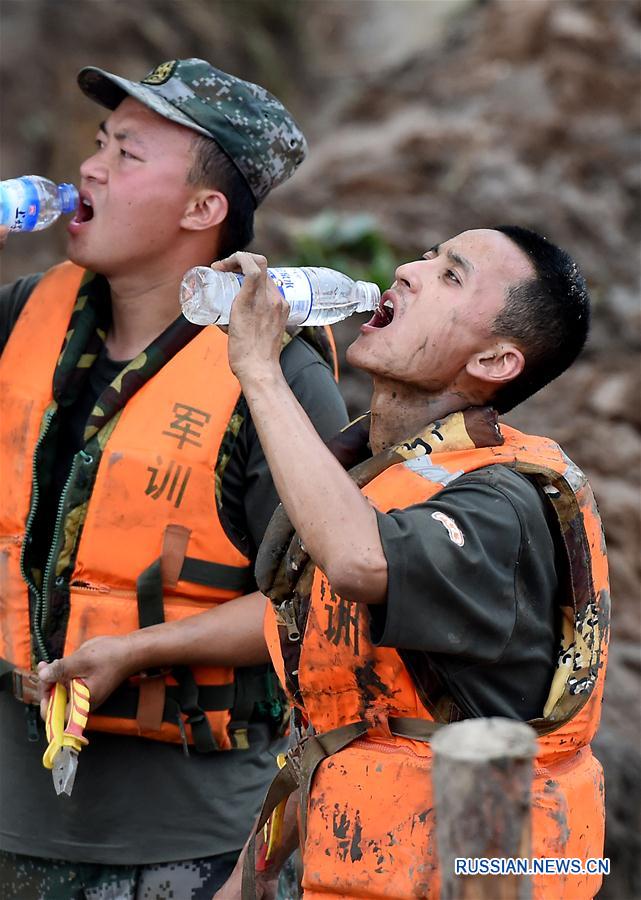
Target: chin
<point>85,259</point>
<point>362,357</point>
<point>76,254</point>
<point>353,356</point>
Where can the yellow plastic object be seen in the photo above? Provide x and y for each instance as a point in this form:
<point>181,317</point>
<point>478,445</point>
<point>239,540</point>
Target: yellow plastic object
<point>273,828</point>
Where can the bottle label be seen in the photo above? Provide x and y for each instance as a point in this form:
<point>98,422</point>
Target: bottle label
<point>295,287</point>
<point>23,204</point>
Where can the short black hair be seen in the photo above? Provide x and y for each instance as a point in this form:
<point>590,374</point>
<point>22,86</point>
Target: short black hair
<point>547,314</point>
<point>214,169</point>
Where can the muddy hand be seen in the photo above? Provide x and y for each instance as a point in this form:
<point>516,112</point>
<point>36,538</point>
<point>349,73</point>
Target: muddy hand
<point>103,663</point>
<point>258,318</point>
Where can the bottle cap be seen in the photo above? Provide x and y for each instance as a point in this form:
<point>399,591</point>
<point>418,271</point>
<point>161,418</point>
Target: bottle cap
<point>68,196</point>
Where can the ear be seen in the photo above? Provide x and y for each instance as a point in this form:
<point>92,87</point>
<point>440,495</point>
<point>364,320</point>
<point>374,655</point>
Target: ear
<point>496,365</point>
<point>205,209</point>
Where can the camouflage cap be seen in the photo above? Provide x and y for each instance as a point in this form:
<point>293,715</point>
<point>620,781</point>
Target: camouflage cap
<point>246,121</point>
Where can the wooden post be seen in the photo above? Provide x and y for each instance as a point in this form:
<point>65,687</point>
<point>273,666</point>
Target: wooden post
<point>482,780</point>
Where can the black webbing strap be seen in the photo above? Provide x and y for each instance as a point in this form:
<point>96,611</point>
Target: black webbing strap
<point>123,703</point>
<point>190,704</point>
<point>173,566</point>
<point>414,729</point>
<point>298,772</point>
<point>149,594</point>
<point>152,697</point>
<point>228,578</point>
<point>247,695</point>
<point>149,584</point>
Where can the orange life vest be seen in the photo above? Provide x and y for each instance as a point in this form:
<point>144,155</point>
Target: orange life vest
<point>151,537</point>
<point>369,819</point>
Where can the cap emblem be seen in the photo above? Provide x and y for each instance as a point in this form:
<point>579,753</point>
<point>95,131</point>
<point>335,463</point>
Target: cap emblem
<point>161,73</point>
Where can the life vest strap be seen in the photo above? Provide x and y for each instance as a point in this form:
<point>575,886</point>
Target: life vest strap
<point>191,704</point>
<point>216,575</point>
<point>172,566</point>
<point>239,697</point>
<point>414,729</point>
<point>123,703</point>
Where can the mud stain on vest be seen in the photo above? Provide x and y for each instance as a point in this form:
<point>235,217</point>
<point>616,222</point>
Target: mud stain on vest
<point>346,843</point>
<point>558,813</point>
<point>380,857</point>
<point>114,458</point>
<point>370,684</point>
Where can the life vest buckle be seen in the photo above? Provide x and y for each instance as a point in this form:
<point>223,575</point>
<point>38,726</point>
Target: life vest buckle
<point>25,685</point>
<point>294,758</point>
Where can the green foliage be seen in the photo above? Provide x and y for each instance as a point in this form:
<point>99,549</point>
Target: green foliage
<point>350,243</point>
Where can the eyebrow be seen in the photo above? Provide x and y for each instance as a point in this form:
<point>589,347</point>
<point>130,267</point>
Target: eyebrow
<point>122,135</point>
<point>465,264</point>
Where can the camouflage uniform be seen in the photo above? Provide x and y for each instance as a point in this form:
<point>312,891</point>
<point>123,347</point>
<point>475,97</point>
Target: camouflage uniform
<point>29,878</point>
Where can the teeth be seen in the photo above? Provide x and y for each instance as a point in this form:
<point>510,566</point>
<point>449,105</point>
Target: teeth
<point>86,203</point>
<point>389,304</point>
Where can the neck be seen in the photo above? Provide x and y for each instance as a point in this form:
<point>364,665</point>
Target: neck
<point>400,410</point>
<point>145,302</point>
<point>140,314</point>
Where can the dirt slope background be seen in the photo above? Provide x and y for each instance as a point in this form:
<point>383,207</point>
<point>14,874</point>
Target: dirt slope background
<point>432,116</point>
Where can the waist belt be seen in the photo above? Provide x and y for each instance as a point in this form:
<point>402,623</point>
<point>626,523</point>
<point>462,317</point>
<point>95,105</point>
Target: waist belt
<point>241,697</point>
<point>123,703</point>
<point>22,683</point>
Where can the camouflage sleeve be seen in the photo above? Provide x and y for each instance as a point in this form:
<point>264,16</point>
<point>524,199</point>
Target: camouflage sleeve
<point>13,298</point>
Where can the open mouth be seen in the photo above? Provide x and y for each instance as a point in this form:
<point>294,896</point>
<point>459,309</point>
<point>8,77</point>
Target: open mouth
<point>84,213</point>
<point>383,314</point>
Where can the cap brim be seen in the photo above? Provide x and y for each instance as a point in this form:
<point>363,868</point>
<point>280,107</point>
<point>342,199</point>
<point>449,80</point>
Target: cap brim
<point>109,90</point>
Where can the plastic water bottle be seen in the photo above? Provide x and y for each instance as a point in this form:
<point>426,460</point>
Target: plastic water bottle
<point>316,296</point>
<point>32,203</point>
